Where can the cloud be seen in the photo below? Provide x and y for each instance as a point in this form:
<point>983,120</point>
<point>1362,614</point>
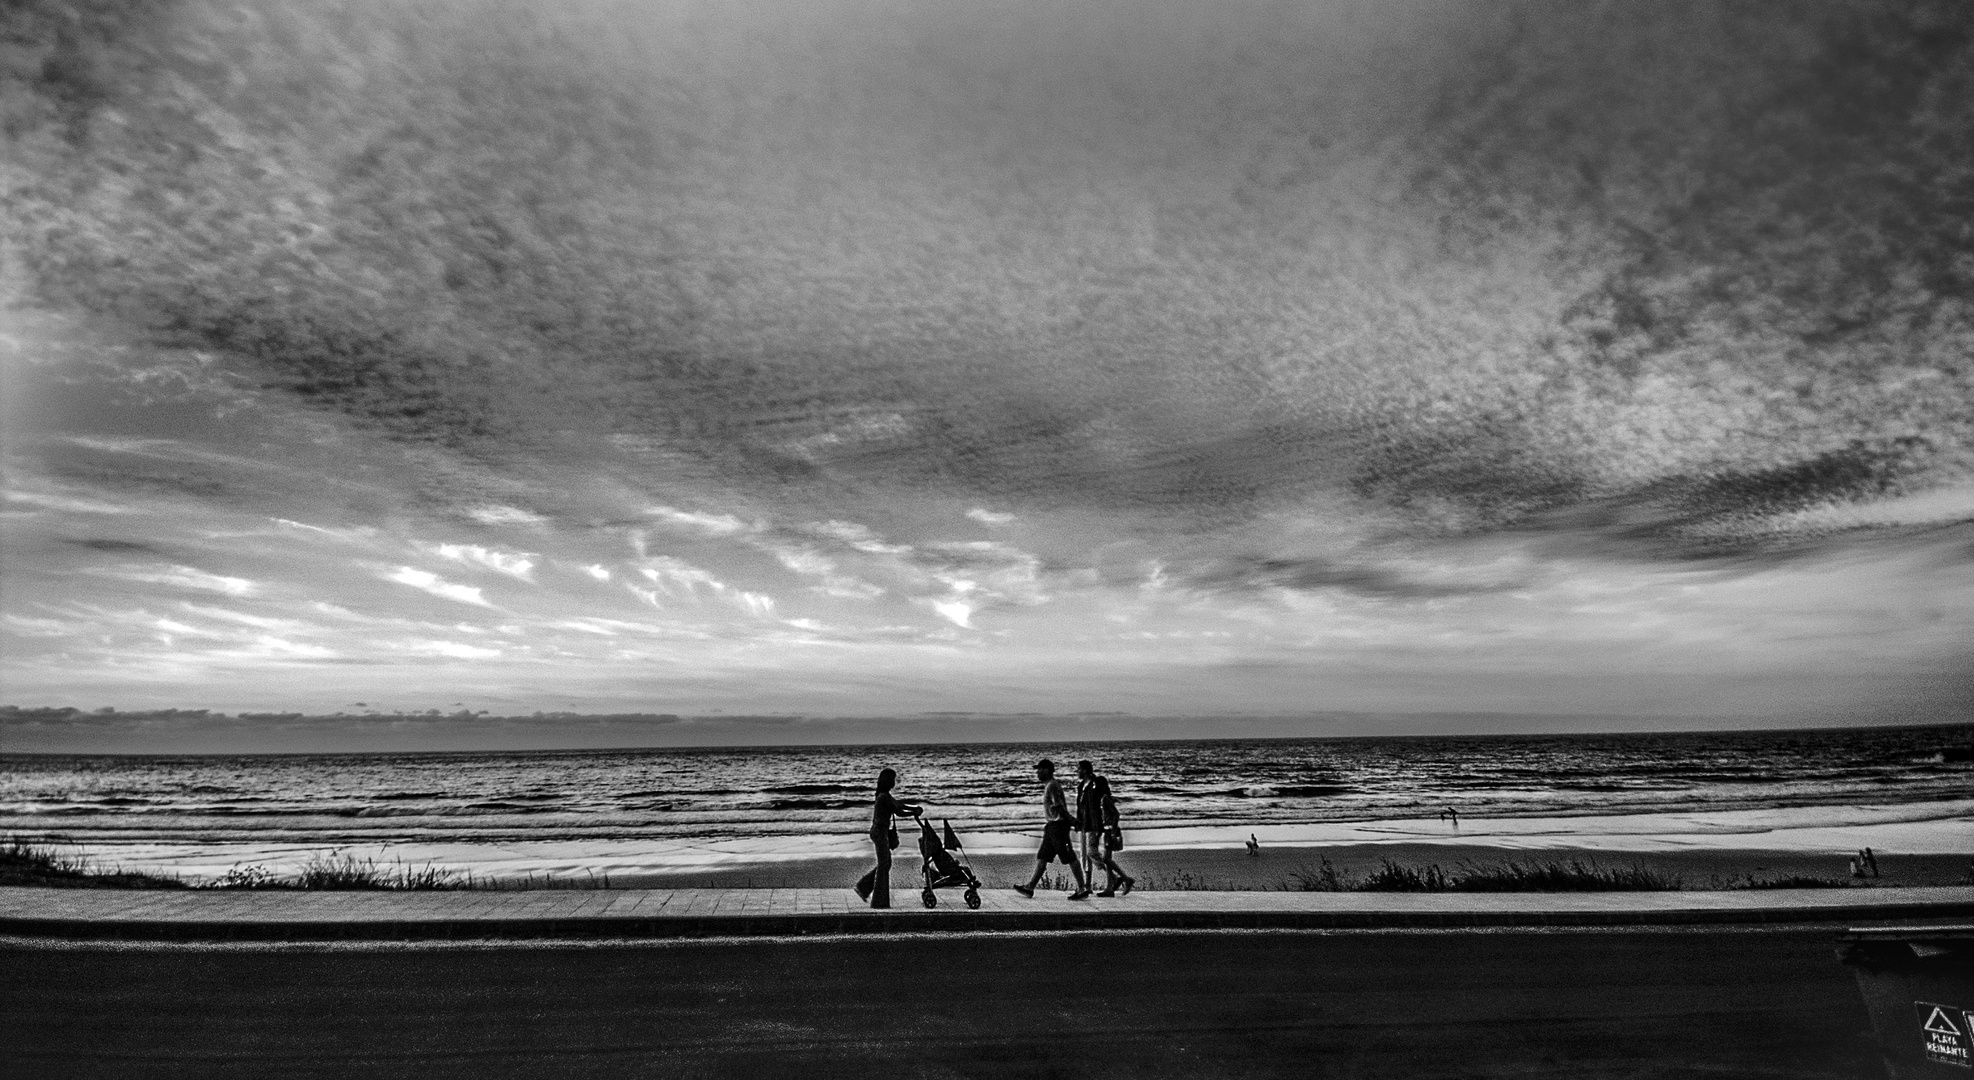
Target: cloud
<point>454,649</point>
<point>67,503</point>
<point>269,647</point>
<point>958,612</point>
<point>518,565</point>
<point>432,583</point>
<point>107,544</point>
<point>347,534</point>
<point>504,515</point>
<point>990,518</point>
<point>663,570</point>
<point>710,524</point>
<point>1383,577</point>
<point>259,621</point>
<point>186,577</point>
<point>814,564</point>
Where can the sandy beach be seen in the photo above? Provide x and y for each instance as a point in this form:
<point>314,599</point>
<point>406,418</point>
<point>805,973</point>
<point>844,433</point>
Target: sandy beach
<point>1283,868</point>
<point>1917,843</point>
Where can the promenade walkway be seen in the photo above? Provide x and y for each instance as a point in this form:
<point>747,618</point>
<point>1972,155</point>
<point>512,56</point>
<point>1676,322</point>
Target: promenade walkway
<point>209,915</point>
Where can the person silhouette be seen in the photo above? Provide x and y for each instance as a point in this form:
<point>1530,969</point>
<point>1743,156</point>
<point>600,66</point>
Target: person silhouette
<point>1056,841</point>
<point>1253,845</point>
<point>1096,817</point>
<point>876,885</point>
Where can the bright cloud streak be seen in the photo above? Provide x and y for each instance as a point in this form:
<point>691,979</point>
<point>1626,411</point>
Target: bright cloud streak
<point>186,577</point>
<point>513,564</point>
<point>711,524</point>
<point>437,586</point>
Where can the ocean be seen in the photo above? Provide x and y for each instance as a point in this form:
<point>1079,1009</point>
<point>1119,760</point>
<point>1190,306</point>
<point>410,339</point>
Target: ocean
<point>668,808</point>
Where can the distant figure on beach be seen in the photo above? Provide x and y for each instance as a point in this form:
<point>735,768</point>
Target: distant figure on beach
<point>1449,812</point>
<point>1056,842</point>
<point>1863,863</point>
<point>876,885</point>
<point>1253,845</point>
<point>1096,816</point>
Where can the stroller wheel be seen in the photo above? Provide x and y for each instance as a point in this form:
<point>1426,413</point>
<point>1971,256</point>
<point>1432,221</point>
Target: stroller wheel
<point>929,898</point>
<point>973,898</point>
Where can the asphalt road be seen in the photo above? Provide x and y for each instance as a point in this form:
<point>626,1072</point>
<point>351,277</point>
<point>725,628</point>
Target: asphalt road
<point>1625,1003</point>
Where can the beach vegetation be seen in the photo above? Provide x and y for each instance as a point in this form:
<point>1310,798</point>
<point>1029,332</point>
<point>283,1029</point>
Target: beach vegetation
<point>1324,877</point>
<point>1397,877</point>
<point>340,871</point>
<point>1182,881</point>
<point>1573,876</point>
<point>50,866</point>
<point>532,881</point>
<point>1553,876</point>
<point>347,872</point>
<point>1785,881</point>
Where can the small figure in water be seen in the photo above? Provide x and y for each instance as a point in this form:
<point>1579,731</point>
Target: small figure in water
<point>1449,812</point>
<point>1253,845</point>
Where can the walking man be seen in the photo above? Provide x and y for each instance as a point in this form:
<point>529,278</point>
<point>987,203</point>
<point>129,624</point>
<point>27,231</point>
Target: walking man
<point>1056,842</point>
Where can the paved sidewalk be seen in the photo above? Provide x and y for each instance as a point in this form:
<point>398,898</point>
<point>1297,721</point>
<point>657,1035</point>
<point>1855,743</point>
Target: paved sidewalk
<point>201,915</point>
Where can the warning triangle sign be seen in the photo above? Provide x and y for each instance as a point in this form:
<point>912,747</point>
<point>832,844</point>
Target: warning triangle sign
<point>1940,1023</point>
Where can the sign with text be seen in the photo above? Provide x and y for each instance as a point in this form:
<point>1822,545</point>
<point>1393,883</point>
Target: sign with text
<point>1945,1031</point>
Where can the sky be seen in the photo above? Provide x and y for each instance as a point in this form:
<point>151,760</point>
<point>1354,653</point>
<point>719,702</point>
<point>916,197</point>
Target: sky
<point>878,359</point>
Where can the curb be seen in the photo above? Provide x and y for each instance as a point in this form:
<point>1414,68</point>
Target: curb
<point>930,923</point>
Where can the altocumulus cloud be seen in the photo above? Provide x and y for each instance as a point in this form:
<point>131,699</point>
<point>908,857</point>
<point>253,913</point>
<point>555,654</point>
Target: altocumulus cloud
<point>1016,353</point>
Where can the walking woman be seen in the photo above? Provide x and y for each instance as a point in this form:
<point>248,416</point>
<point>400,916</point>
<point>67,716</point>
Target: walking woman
<point>876,885</point>
<point>1096,816</point>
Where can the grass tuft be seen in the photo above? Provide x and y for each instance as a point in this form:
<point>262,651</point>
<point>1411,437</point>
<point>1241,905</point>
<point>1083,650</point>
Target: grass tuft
<point>1322,878</point>
<point>1787,881</point>
<point>1572,876</point>
<point>1397,877</point>
<point>47,865</point>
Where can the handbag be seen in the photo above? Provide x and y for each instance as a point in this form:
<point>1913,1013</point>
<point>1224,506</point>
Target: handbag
<point>891,836</point>
<point>1114,838</point>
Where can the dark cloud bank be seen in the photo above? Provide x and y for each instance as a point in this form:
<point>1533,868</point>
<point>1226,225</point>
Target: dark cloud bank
<point>1691,265</point>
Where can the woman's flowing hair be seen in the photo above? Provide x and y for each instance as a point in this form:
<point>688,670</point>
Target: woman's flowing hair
<point>885,779</point>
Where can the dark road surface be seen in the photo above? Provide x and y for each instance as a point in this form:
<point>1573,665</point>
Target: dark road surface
<point>1629,1003</point>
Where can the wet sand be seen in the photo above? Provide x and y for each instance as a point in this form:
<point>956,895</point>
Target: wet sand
<point>1367,1005</point>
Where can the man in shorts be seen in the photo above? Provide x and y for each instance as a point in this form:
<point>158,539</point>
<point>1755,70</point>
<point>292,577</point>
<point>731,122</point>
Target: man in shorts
<point>1056,840</point>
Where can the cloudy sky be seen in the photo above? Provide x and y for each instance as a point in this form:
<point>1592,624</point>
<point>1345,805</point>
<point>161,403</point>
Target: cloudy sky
<point>852,358</point>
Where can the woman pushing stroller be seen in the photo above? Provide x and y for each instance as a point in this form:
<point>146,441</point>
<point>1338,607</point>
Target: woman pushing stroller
<point>876,885</point>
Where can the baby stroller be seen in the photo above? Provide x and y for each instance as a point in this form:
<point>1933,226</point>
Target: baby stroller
<point>942,870</point>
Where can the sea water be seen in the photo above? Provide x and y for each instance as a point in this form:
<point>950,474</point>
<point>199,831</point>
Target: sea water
<point>660,808</point>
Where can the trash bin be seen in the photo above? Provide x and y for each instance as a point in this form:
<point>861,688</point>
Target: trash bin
<point>1918,983</point>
